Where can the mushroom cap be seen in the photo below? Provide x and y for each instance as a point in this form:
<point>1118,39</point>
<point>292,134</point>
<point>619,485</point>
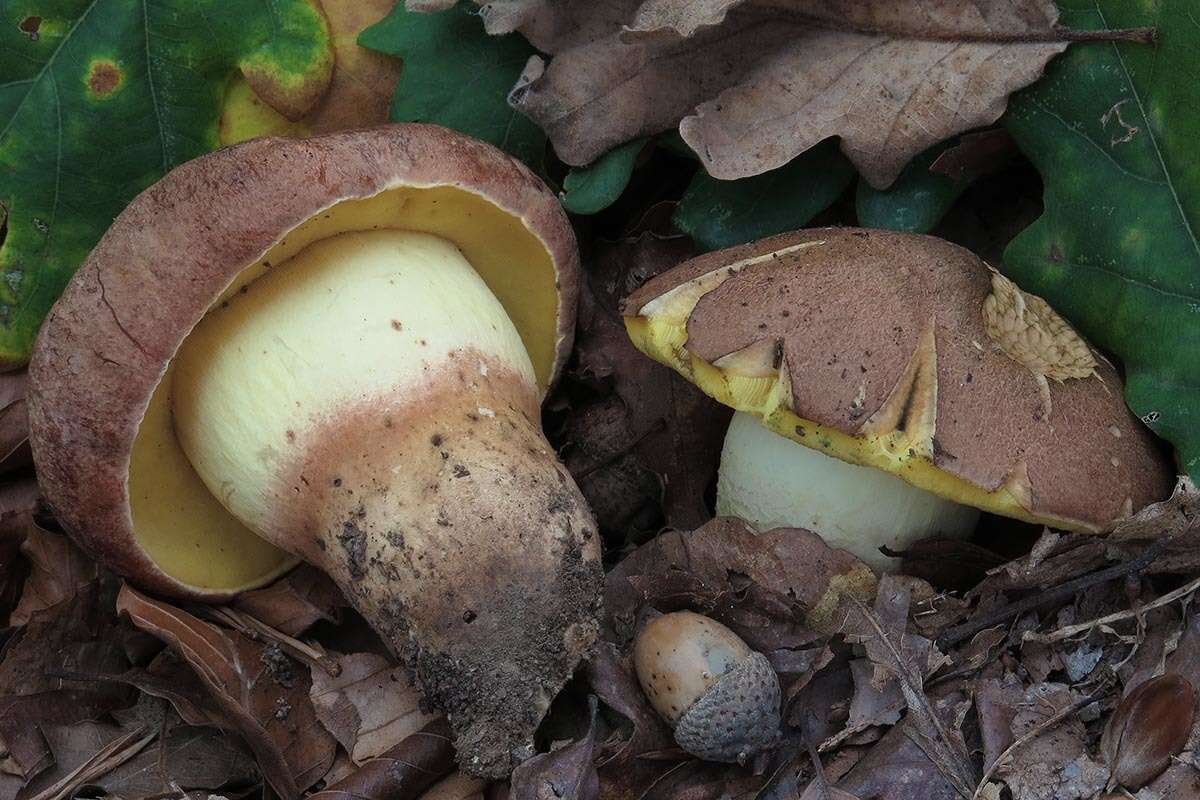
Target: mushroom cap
<point>201,233</point>
<point>873,347</point>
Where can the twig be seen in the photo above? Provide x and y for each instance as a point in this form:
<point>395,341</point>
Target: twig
<point>960,772</point>
<point>956,634</point>
<point>257,629</point>
<point>108,758</point>
<point>1072,630</point>
<point>1036,731</point>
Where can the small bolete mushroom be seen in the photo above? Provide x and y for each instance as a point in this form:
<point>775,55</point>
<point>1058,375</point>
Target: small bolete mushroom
<point>915,378</point>
<point>720,697</point>
<point>336,349</point>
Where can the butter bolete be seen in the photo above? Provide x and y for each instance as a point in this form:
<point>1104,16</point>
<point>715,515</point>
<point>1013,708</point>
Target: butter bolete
<point>891,385</point>
<point>335,350</point>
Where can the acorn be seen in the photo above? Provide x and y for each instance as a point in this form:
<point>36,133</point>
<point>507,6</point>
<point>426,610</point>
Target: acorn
<point>720,697</point>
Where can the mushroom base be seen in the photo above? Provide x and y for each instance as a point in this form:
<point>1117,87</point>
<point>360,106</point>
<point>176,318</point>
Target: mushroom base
<point>465,544</point>
<point>773,482</point>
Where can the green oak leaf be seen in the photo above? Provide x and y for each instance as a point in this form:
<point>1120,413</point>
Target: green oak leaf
<point>1113,129</point>
<point>457,76</point>
<point>720,214</point>
<point>591,189</point>
<point>915,202</point>
<point>99,98</point>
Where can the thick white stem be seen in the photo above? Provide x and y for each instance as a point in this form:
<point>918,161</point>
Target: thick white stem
<point>772,482</point>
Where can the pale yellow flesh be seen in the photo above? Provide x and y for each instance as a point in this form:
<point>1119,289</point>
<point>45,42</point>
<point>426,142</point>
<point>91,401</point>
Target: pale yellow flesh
<point>349,320</point>
<point>772,482</point>
<point>179,524</point>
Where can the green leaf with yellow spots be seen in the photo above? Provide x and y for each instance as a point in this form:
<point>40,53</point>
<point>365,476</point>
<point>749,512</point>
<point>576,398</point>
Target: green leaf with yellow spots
<point>99,98</point>
<point>1113,128</point>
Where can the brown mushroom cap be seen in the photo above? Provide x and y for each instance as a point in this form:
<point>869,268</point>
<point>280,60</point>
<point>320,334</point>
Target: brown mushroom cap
<point>871,346</point>
<point>201,233</point>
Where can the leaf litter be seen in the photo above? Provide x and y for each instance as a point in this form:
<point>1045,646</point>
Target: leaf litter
<point>989,670</point>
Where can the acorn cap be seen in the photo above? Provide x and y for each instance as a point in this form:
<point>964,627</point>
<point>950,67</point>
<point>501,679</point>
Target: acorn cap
<point>737,717</point>
<point>100,412</point>
<point>908,354</point>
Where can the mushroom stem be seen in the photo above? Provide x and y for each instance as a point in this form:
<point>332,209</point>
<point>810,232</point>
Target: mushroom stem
<point>773,482</point>
<point>395,443</point>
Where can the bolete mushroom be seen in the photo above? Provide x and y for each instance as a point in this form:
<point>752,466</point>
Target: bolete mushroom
<point>900,385</point>
<point>335,350</point>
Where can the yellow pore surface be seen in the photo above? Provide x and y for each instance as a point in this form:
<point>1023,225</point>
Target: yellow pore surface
<point>486,253</point>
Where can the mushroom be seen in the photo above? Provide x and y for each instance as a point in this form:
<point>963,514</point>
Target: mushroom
<point>720,697</point>
<point>335,350</point>
<point>892,384</point>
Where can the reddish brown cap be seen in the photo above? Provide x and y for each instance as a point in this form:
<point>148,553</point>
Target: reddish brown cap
<point>884,336</point>
<point>183,242</point>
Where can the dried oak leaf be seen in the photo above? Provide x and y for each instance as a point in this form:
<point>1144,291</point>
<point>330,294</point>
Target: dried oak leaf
<point>907,659</point>
<point>258,691</point>
<point>406,770</point>
<point>569,771</point>
<point>1177,517</point>
<point>295,602</point>
<point>79,635</point>
<point>771,587</point>
<point>58,571</point>
<point>753,83</point>
<point>14,422</point>
<point>370,706</point>
<point>671,428</point>
<point>622,767</point>
<point>1054,764</point>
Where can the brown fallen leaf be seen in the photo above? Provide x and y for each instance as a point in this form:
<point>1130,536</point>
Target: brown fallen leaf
<point>668,426</point>
<point>59,570</point>
<point>871,705</point>
<point>908,659</point>
<point>898,769</point>
<point>259,691</point>
<point>406,770</point>
<point>791,581</point>
<point>370,706</point>
<point>177,754</point>
<point>623,770</point>
<point>752,83</point>
<point>295,602</point>
<point>82,634</point>
<point>14,423</point>
<point>1054,764</point>
<point>568,771</point>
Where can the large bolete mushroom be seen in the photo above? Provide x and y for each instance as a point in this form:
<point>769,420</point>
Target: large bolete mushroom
<point>909,385</point>
<point>336,349</point>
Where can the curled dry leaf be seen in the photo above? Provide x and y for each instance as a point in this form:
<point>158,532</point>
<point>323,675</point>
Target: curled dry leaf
<point>295,602</point>
<point>1053,764</point>
<point>670,428</point>
<point>370,706</point>
<point>753,84</point>
<point>797,580</point>
<point>58,571</point>
<point>79,635</point>
<point>407,769</point>
<point>259,692</point>
<point>568,772</point>
<point>14,422</point>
